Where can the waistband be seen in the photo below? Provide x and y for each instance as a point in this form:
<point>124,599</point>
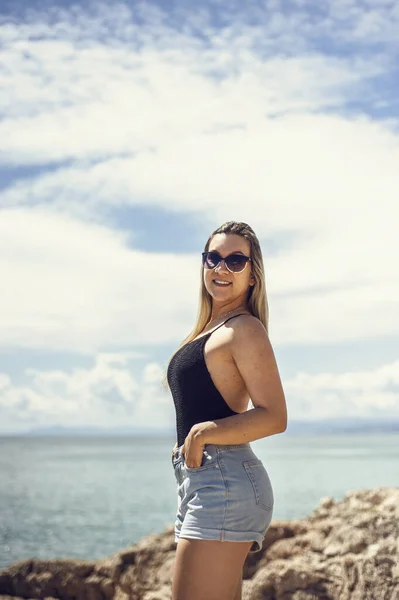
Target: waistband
<point>214,448</point>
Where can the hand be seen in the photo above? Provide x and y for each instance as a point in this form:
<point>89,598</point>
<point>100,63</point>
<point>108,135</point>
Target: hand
<point>193,449</point>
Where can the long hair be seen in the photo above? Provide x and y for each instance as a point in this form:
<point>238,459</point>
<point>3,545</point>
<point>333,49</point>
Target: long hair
<point>257,297</point>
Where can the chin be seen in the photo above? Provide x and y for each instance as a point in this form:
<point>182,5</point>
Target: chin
<point>219,293</point>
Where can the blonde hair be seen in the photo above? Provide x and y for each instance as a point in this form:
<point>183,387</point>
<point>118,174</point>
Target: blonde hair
<point>257,297</point>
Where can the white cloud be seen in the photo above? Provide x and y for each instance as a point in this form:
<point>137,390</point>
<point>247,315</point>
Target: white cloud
<point>105,395</point>
<point>91,85</point>
<point>76,286</point>
<point>363,394</point>
<point>246,122</point>
<point>119,108</point>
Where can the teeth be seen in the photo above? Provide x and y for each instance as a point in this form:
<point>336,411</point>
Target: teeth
<point>222,282</point>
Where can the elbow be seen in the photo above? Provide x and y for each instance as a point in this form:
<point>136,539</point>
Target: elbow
<point>279,421</point>
<point>283,419</point>
<point>282,423</point>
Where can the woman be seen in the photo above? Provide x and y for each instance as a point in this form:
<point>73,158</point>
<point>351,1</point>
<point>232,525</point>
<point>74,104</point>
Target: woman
<point>225,498</point>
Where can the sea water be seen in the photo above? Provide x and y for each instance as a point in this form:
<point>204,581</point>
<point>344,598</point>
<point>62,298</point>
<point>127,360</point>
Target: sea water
<point>89,497</point>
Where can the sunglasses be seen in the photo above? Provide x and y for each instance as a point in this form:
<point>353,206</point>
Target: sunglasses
<point>234,262</point>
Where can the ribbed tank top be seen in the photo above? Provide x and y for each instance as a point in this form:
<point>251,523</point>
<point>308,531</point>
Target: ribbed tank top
<point>194,394</point>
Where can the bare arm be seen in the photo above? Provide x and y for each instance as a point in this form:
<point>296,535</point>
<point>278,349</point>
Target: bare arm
<point>254,357</point>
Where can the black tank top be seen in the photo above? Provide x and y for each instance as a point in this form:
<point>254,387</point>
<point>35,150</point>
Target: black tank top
<point>194,394</point>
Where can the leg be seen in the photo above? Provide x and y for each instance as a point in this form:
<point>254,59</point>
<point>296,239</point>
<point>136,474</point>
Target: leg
<point>208,569</point>
<point>239,587</point>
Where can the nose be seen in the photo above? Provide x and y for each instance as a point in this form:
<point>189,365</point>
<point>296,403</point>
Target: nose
<point>219,266</point>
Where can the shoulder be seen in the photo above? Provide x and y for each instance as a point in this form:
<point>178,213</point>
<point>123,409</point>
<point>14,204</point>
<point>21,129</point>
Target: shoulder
<point>249,342</point>
<point>247,329</point>
<point>247,324</point>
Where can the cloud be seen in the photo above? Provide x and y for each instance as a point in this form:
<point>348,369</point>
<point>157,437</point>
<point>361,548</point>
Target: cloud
<point>363,394</point>
<point>252,143</point>
<point>76,286</point>
<point>267,116</point>
<point>107,395</point>
<point>104,101</point>
<point>94,82</point>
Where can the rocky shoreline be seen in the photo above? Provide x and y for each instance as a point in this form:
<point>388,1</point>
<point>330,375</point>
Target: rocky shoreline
<point>346,550</point>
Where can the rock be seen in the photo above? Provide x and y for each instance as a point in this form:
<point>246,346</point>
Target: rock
<point>345,550</point>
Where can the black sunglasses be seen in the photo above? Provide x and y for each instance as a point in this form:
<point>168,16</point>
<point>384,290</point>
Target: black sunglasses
<point>234,262</point>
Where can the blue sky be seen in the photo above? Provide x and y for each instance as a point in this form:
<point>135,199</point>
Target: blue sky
<point>129,131</point>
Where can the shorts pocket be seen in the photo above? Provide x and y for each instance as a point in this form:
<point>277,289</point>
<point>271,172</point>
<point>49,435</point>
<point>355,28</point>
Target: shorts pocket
<point>207,462</point>
<point>260,482</point>
<point>177,473</point>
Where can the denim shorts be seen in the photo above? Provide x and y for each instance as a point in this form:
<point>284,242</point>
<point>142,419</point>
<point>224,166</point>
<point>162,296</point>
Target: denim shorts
<point>228,498</point>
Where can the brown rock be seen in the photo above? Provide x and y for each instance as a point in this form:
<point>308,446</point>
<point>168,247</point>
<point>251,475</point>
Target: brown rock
<point>343,551</point>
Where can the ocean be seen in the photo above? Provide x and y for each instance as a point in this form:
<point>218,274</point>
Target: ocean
<point>88,496</point>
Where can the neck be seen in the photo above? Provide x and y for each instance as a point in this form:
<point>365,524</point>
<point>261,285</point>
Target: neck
<point>223,313</point>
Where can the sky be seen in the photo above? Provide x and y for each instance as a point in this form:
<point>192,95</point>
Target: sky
<point>129,131</point>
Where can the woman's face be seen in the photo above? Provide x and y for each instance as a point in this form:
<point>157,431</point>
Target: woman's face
<point>239,283</point>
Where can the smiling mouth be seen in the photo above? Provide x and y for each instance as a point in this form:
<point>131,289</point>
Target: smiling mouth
<point>221,283</point>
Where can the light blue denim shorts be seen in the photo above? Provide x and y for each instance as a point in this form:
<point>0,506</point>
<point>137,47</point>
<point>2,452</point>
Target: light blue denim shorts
<point>228,498</point>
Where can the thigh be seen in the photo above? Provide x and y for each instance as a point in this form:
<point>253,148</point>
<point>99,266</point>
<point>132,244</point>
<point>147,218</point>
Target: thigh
<point>207,569</point>
<point>238,592</point>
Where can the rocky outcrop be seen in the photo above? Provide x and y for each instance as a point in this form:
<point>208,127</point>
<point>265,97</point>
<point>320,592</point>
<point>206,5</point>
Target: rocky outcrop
<point>347,550</point>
